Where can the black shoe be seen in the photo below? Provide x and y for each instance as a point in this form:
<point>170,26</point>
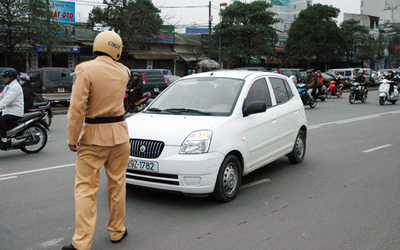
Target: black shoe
<point>123,236</point>
<point>69,247</point>
<point>3,145</point>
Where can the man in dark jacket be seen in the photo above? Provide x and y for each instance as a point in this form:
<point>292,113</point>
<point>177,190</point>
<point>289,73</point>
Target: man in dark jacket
<point>135,89</point>
<point>310,80</point>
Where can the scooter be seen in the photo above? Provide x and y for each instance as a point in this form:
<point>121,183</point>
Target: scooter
<point>302,88</point>
<point>356,93</point>
<point>27,133</point>
<point>383,91</point>
<point>333,91</point>
<point>46,107</point>
<point>139,105</point>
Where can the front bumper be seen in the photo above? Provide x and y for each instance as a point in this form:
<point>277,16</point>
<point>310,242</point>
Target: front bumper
<point>183,173</point>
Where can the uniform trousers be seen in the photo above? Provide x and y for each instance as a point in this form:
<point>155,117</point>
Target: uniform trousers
<point>89,160</point>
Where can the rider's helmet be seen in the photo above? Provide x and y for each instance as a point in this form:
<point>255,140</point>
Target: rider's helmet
<point>318,72</point>
<point>309,71</point>
<point>108,42</point>
<point>336,73</point>
<point>10,72</point>
<point>135,74</point>
<point>361,72</point>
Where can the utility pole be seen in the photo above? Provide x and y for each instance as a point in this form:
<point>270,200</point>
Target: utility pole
<point>209,20</point>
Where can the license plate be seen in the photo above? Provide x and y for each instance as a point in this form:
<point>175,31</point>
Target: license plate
<point>151,166</point>
<point>156,90</point>
<point>61,90</point>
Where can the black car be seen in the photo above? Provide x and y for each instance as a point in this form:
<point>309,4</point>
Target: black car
<point>153,80</point>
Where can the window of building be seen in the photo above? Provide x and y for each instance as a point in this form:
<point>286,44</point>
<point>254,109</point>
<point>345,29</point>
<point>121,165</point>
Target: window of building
<point>294,7</point>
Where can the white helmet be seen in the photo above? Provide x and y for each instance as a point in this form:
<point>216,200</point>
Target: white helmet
<point>108,42</point>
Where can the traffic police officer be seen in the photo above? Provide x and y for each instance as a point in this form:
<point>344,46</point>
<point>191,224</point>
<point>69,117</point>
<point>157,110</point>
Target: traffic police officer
<point>98,132</point>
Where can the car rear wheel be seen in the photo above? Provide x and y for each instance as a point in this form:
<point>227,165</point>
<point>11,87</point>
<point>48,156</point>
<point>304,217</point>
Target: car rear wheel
<point>228,180</point>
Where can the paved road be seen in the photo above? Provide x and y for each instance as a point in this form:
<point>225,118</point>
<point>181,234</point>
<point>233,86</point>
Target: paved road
<point>343,196</point>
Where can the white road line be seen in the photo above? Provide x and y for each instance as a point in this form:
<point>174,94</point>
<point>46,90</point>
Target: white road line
<point>255,183</point>
<point>377,148</point>
<point>38,170</point>
<point>7,178</point>
<point>355,119</point>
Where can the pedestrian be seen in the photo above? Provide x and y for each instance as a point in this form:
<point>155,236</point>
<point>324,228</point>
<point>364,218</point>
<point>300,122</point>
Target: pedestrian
<point>98,132</point>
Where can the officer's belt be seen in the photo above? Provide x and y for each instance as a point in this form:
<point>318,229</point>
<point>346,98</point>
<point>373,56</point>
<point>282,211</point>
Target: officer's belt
<point>105,119</point>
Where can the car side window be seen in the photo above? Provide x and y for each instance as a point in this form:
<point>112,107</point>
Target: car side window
<point>259,92</point>
<point>281,90</point>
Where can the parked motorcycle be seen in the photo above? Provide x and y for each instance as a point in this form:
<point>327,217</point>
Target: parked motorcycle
<point>333,90</point>
<point>27,133</point>
<point>384,93</point>
<point>46,107</point>
<point>302,88</point>
<point>356,93</point>
<point>139,105</point>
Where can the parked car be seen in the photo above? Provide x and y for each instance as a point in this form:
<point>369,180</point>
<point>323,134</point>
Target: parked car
<point>166,72</point>
<point>153,80</point>
<point>296,72</point>
<point>207,130</point>
<point>349,74</point>
<point>170,79</point>
<point>52,85</point>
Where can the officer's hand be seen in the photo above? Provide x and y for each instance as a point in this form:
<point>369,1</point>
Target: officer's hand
<point>73,148</point>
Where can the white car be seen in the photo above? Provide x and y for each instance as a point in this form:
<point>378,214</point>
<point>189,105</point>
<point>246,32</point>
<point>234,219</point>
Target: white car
<point>203,133</point>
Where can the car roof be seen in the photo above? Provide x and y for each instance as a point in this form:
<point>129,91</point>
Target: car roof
<point>240,74</point>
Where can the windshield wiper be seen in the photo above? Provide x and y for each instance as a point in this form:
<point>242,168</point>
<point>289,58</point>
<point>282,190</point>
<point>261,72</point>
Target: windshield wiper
<point>183,110</point>
<point>154,110</point>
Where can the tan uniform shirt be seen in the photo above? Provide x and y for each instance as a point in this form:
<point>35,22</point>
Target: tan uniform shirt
<point>98,91</point>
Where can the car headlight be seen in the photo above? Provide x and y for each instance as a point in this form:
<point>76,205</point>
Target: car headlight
<point>197,142</point>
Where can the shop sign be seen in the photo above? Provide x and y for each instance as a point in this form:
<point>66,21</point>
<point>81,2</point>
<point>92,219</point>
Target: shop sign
<point>60,49</point>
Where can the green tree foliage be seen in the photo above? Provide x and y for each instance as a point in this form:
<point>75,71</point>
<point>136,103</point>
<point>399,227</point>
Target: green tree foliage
<point>24,23</point>
<point>355,39</point>
<point>135,21</point>
<point>314,34</point>
<point>245,32</point>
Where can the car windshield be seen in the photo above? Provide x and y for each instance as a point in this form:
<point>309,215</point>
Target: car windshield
<point>58,76</point>
<point>199,96</point>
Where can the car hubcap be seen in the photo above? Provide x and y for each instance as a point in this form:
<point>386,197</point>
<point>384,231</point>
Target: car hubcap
<point>299,147</point>
<point>229,179</point>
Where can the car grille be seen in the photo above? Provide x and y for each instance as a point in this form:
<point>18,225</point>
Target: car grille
<point>169,179</point>
<point>146,148</point>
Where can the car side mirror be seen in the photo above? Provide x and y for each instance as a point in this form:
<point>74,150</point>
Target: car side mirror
<point>254,108</point>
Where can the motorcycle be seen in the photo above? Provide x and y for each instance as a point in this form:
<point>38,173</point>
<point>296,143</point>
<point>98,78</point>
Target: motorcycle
<point>302,88</point>
<point>356,93</point>
<point>27,133</point>
<point>383,91</point>
<point>46,107</point>
<point>321,93</point>
<point>139,105</point>
<point>333,91</point>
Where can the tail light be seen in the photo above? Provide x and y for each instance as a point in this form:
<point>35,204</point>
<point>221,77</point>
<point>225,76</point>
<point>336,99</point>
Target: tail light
<point>365,72</point>
<point>144,80</point>
<point>280,72</point>
<point>44,89</point>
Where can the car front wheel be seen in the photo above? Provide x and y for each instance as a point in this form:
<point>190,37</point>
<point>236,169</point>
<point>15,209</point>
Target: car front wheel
<point>228,180</point>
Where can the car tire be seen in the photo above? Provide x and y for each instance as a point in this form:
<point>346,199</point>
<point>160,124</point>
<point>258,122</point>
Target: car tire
<point>299,149</point>
<point>228,180</point>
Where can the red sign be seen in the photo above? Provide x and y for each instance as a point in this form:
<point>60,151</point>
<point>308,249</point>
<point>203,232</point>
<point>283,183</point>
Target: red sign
<point>397,47</point>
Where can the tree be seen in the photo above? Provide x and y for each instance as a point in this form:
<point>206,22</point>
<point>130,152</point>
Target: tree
<point>314,34</point>
<point>355,37</point>
<point>245,32</point>
<point>136,21</point>
<point>22,23</point>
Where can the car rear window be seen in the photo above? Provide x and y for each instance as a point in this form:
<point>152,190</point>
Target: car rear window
<point>58,76</point>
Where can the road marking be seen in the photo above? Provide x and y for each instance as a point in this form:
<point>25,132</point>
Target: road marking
<point>355,119</point>
<point>377,148</point>
<point>7,178</point>
<point>37,170</point>
<point>255,183</point>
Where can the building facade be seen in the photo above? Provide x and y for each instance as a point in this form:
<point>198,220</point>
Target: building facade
<point>387,10</point>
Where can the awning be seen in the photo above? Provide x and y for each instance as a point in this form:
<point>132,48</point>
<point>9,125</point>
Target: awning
<point>154,55</point>
<point>190,57</point>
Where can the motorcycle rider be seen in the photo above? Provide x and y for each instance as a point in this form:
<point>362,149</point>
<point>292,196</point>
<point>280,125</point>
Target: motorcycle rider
<point>320,82</point>
<point>391,77</point>
<point>135,89</point>
<point>362,80</point>
<point>311,84</point>
<point>11,102</point>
